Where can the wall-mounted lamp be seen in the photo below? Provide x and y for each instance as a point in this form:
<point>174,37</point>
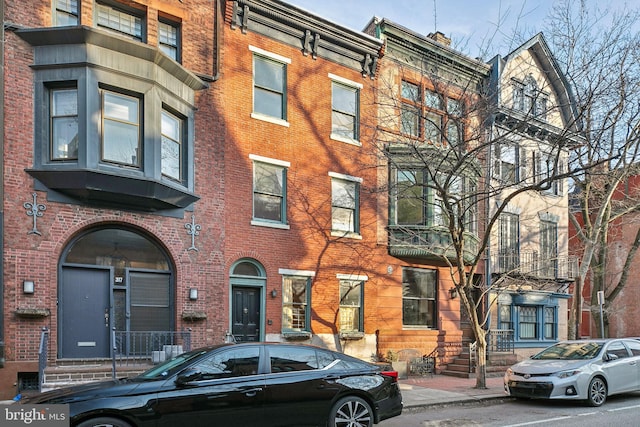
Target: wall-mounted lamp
<point>28,286</point>
<point>453,293</point>
<point>193,294</point>
<point>274,293</point>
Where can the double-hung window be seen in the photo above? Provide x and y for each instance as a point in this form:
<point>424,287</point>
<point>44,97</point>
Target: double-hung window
<point>295,303</point>
<point>125,22</point>
<point>419,292</point>
<point>351,302</point>
<point>505,165</point>
<point>65,13</point>
<point>269,190</point>
<point>410,110</point>
<point>546,167</point>
<point>345,106</point>
<point>528,325</point>
<point>269,84</point>
<point>508,246</point>
<point>548,249</point>
<point>169,39</point>
<point>345,212</point>
<point>549,323</point>
<point>172,157</point>
<point>120,129</point>
<point>64,124</point>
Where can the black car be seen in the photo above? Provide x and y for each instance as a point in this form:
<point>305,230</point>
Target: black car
<point>248,384</point>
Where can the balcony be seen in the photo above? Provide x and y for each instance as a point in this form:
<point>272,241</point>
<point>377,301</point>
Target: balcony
<point>533,265</point>
<point>432,243</point>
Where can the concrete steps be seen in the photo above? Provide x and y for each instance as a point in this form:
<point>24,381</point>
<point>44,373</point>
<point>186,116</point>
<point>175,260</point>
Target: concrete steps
<point>67,373</point>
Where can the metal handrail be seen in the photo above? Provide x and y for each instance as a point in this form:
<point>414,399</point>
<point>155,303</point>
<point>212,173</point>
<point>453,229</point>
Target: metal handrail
<point>42,356</point>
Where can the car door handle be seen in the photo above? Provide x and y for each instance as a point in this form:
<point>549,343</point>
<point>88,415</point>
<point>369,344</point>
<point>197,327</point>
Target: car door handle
<point>252,392</point>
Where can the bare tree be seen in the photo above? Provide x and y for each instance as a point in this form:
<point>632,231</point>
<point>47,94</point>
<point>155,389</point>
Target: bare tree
<point>444,134</point>
<point>598,52</point>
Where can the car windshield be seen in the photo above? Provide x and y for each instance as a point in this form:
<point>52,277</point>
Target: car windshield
<point>570,351</point>
<point>171,366</point>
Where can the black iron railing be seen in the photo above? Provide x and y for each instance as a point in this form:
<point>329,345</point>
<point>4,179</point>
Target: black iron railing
<point>131,348</point>
<point>42,356</point>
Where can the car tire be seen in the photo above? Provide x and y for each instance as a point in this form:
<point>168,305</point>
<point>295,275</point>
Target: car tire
<point>351,411</point>
<point>104,422</point>
<point>597,392</point>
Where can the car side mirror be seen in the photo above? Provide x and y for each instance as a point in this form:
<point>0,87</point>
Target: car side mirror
<point>188,375</point>
<point>608,357</point>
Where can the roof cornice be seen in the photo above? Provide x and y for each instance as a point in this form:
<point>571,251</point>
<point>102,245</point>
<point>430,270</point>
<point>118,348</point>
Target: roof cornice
<point>313,35</point>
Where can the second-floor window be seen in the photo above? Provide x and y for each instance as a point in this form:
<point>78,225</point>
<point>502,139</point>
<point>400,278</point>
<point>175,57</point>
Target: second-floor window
<point>64,124</point>
<point>548,248</point>
<point>345,215</point>
<point>65,13</point>
<point>120,128</point>
<point>508,243</point>
<point>123,21</point>
<point>172,146</point>
<point>269,190</point>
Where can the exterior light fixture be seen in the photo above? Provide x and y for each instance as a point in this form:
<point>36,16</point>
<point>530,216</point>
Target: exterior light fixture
<point>193,294</point>
<point>453,293</point>
<point>28,286</point>
<point>274,293</point>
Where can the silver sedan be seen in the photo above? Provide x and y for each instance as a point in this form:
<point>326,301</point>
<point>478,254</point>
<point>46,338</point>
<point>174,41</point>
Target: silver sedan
<point>588,370</point>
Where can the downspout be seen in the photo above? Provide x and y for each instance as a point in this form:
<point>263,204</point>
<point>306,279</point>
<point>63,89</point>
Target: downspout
<point>2,353</point>
<point>219,19</point>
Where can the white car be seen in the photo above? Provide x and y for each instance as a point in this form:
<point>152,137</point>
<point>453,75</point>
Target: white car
<point>588,370</point>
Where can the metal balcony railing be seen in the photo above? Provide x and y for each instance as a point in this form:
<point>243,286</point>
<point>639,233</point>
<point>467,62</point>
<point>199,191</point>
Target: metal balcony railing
<point>427,242</point>
<point>532,264</point>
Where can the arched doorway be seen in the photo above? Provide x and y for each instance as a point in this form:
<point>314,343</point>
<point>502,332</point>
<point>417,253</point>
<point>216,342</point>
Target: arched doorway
<point>248,282</point>
<point>111,278</point>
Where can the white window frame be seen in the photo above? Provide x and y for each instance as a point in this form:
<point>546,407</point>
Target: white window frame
<point>285,166</point>
<point>357,88</point>
<point>257,52</point>
<point>355,233</point>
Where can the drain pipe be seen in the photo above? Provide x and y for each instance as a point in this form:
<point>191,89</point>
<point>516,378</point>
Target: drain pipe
<point>2,353</point>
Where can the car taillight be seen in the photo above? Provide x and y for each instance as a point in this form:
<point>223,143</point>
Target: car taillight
<point>391,374</point>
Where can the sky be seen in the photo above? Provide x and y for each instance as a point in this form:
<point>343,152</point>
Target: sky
<point>469,23</point>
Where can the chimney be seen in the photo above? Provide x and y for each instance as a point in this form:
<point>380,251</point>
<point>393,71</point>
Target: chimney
<point>440,38</point>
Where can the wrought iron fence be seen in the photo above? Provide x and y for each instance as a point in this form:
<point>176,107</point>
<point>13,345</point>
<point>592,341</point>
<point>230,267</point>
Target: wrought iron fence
<point>143,347</point>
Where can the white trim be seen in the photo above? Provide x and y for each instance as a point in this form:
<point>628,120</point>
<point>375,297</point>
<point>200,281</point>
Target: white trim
<point>345,81</point>
<point>352,277</point>
<point>288,272</point>
<point>276,162</point>
<point>279,225</point>
<point>345,177</point>
<point>270,119</point>
<point>351,141</point>
<point>268,54</point>
<point>346,234</point>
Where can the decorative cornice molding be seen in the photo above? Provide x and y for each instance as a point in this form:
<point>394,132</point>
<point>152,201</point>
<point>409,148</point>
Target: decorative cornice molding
<point>313,35</point>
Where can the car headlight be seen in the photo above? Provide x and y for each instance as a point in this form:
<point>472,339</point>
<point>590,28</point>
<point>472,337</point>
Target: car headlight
<point>566,374</point>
